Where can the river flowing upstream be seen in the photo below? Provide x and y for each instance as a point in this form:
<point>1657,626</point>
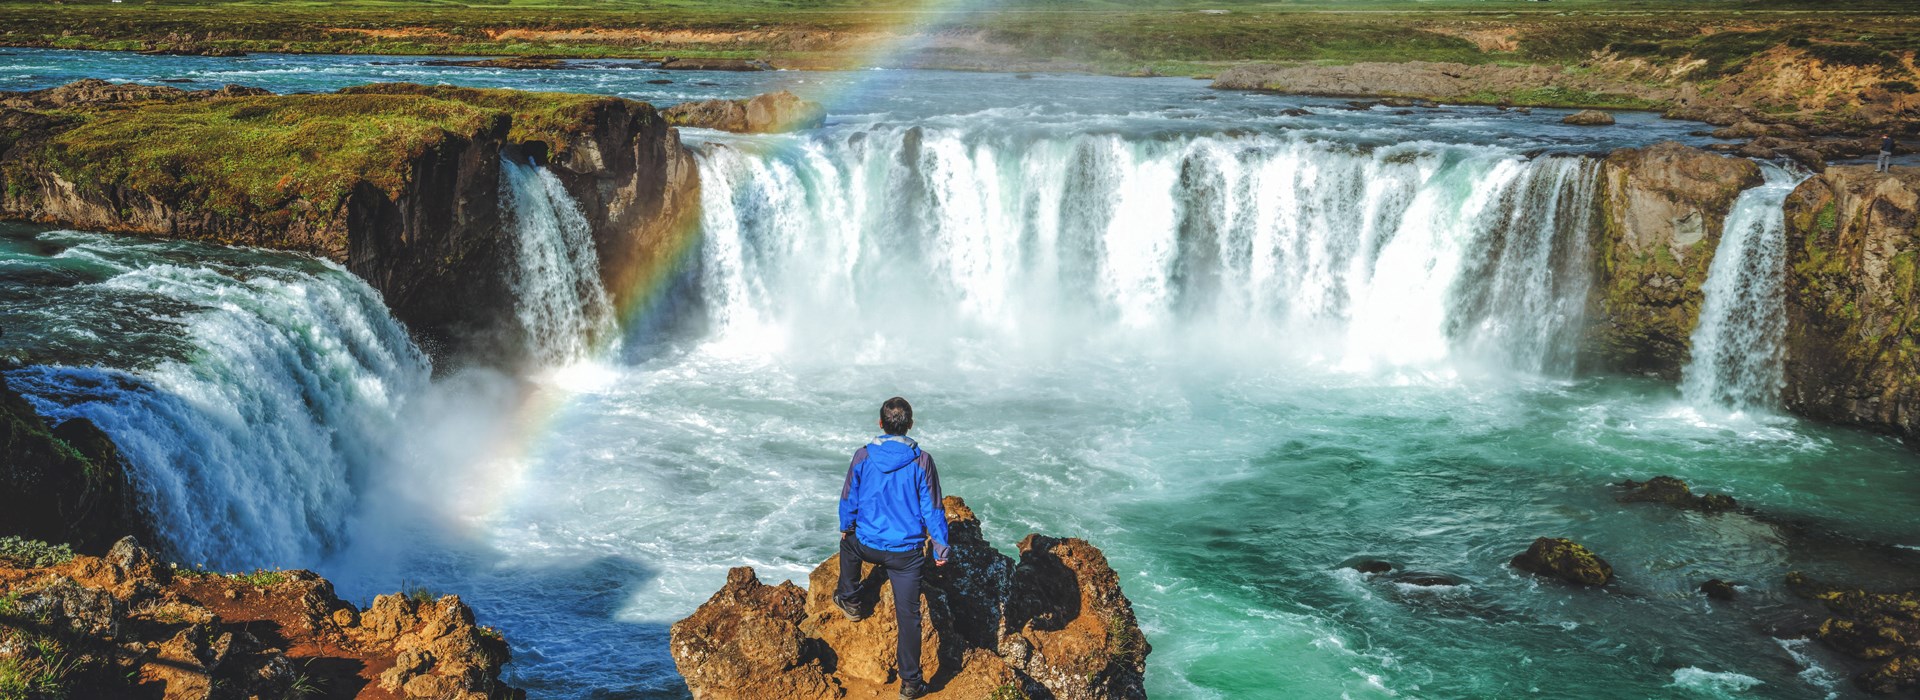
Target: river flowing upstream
<point>1232,347</point>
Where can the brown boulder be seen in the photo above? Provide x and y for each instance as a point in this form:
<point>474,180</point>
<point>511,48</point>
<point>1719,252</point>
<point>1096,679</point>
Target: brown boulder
<point>1068,626</point>
<point>1590,117</point>
<point>745,642</point>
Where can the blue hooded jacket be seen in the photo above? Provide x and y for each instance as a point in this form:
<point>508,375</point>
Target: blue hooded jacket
<point>891,499</point>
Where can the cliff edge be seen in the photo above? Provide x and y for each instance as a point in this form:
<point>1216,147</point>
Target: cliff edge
<point>1054,624</point>
<point>400,183</point>
<point>1853,298</point>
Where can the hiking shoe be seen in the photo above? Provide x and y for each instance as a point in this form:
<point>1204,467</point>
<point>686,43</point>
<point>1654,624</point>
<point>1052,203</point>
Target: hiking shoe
<point>909,691</point>
<point>852,611</point>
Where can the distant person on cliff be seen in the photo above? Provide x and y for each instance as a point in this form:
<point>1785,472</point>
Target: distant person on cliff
<point>890,513</point>
<point>1886,153</point>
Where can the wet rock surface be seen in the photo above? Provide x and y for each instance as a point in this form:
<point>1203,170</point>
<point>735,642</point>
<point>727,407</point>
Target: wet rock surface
<point>1673,492</point>
<point>1054,624</point>
<point>1564,559</point>
<point>1662,209</point>
<point>133,626</point>
<point>1881,629</point>
<point>66,483</point>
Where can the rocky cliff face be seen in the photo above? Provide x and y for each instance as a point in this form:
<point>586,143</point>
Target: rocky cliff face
<point>65,483</point>
<point>1054,624</point>
<point>400,183</point>
<point>1662,208</point>
<point>764,114</point>
<point>129,625</point>
<point>1853,307</point>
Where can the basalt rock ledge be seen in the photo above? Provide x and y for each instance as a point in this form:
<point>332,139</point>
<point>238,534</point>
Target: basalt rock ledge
<point>1053,624</point>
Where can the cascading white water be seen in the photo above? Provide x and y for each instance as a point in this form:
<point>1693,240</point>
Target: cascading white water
<point>561,303</point>
<point>1385,257</point>
<point>1737,348</point>
<point>247,451</point>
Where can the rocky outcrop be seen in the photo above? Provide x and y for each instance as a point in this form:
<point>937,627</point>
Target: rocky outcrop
<point>1053,625</point>
<point>723,64</point>
<point>509,62</point>
<point>66,483</point>
<point>1589,117</point>
<point>1662,210</point>
<point>1673,492</point>
<point>1564,559</point>
<point>414,207</point>
<point>1853,307</point>
<point>129,625</point>
<point>1881,629</point>
<point>769,113</point>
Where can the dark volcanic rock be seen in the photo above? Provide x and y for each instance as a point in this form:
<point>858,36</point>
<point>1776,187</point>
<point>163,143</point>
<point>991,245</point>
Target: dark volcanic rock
<point>1054,625</point>
<point>67,484</point>
<point>1673,492</point>
<point>1718,589</point>
<point>1882,629</point>
<point>1564,559</point>
<point>1367,565</point>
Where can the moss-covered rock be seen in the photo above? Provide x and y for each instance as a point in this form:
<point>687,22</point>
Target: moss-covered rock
<point>1882,629</point>
<point>1662,209</point>
<point>1853,298</point>
<point>1564,559</point>
<point>66,484</point>
<point>399,182</point>
<point>1673,492</point>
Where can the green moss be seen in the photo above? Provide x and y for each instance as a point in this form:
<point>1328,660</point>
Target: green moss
<point>550,117</point>
<point>1009,691</point>
<point>260,152</point>
<point>1827,221</point>
<point>261,578</point>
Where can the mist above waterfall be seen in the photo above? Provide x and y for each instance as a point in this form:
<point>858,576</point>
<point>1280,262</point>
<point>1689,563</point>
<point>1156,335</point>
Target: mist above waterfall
<point>1358,257</point>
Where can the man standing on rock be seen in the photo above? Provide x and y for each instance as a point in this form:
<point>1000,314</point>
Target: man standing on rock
<point>1886,152</point>
<point>890,511</point>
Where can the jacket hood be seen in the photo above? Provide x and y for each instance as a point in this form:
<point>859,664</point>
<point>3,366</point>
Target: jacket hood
<point>891,453</point>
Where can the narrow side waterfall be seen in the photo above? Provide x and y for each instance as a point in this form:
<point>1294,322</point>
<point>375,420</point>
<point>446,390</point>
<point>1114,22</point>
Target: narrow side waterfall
<point>1403,255</point>
<point>562,304</point>
<point>1737,348</point>
<point>248,446</point>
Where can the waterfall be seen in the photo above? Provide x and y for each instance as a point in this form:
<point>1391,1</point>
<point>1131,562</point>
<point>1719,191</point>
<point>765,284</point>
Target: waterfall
<point>1738,359</point>
<point>247,447</point>
<point>561,303</point>
<point>1400,255</point>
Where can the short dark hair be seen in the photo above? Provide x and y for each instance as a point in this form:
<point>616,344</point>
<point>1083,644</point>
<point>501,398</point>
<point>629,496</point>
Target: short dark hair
<point>896,416</point>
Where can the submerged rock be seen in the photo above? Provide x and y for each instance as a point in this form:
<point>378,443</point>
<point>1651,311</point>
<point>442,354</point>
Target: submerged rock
<point>1718,589</point>
<point>1673,492</point>
<point>1055,624</point>
<point>1367,565</point>
<point>511,62</point>
<point>1882,629</point>
<point>1564,559</point>
<point>723,64</point>
<point>768,113</point>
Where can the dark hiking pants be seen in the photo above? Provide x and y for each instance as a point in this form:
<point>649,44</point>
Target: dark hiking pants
<point>903,571</point>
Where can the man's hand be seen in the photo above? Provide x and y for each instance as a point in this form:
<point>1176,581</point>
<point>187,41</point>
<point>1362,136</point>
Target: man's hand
<point>939,562</point>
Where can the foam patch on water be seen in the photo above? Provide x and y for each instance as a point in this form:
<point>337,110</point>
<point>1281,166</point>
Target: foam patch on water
<point>1712,684</point>
<point>1812,672</point>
